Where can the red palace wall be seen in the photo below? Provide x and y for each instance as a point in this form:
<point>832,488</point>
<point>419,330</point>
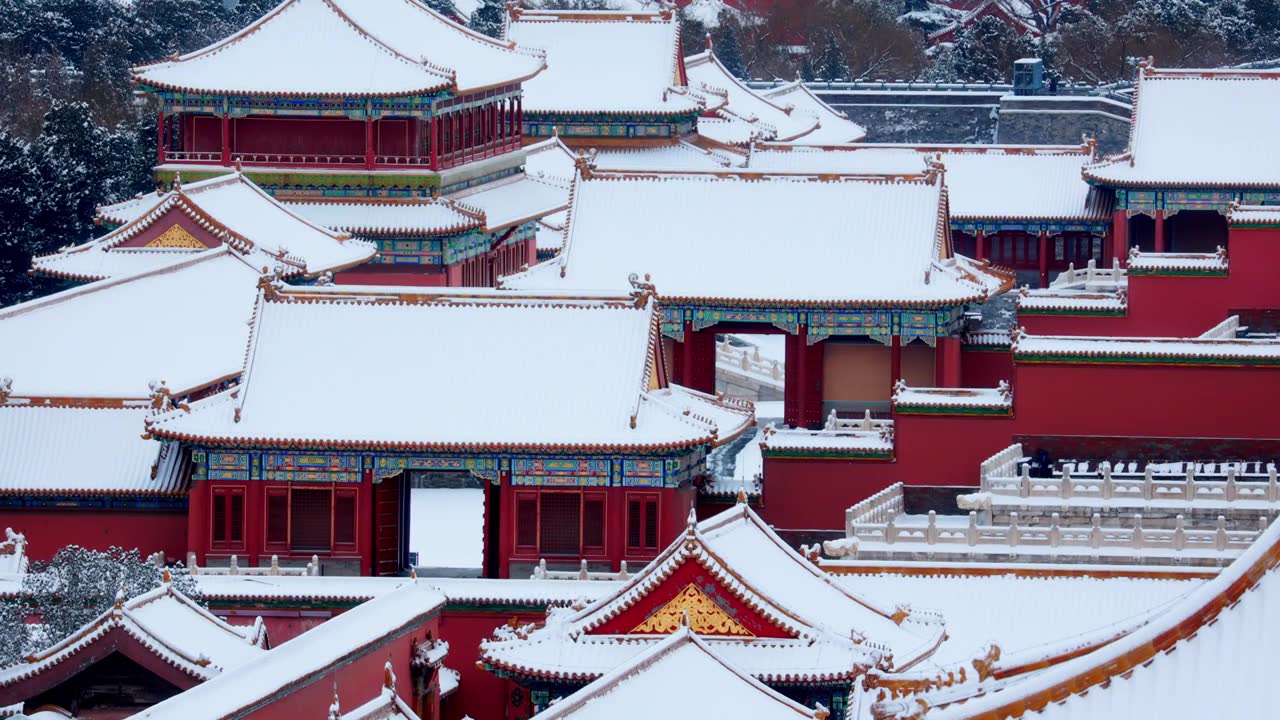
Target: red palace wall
<point>480,693</point>
<point>359,679</point>
<point>410,275</point>
<point>985,368</point>
<point>48,531</point>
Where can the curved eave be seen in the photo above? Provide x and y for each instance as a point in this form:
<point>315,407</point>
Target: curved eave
<point>1082,218</point>
<point>670,113</point>
<point>1094,178</point>
<point>384,446</point>
<point>501,83</point>
<point>496,665</point>
<point>777,303</point>
<point>153,86</point>
<point>36,269</point>
<point>76,492</point>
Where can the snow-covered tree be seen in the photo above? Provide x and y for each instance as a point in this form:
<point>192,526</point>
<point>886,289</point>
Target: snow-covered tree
<point>488,18</point>
<point>78,584</point>
<point>807,73</point>
<point>728,50</point>
<point>831,63</point>
<point>15,633</point>
<point>985,51</point>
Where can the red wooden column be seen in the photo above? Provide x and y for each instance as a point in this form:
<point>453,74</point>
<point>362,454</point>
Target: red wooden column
<point>198,520</point>
<point>946,364</point>
<point>1119,235</point>
<point>520,116</point>
<point>980,245</point>
<point>814,363</point>
<point>1044,258</point>
<point>433,137</point>
<point>1160,243</point>
<point>368,144</point>
<point>226,138</point>
<point>895,360</point>
<point>796,359</point>
<point>161,140</point>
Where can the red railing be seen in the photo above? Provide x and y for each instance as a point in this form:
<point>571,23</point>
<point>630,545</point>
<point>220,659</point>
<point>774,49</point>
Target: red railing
<point>185,156</point>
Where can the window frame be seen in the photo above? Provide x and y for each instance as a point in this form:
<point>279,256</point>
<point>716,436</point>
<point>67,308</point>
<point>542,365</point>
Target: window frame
<point>227,492</point>
<point>650,509</point>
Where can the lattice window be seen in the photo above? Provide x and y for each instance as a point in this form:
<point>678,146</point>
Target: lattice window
<point>642,522</point>
<point>527,521</point>
<point>277,517</point>
<point>561,523</point>
<point>227,521</point>
<point>311,519</point>
<point>593,523</point>
<point>344,518</point>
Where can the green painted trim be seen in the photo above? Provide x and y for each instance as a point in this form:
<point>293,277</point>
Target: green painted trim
<point>1188,272</point>
<point>828,454</point>
<point>1254,226</point>
<point>954,411</point>
<point>1062,312</point>
<point>284,604</point>
<point>498,608</point>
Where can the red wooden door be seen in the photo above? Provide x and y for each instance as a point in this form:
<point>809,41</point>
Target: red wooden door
<point>387,510</point>
<point>811,412</point>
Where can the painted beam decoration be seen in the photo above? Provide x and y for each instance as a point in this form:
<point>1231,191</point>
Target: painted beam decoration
<point>544,125</point>
<point>529,470</point>
<point>1144,201</point>
<point>877,323</point>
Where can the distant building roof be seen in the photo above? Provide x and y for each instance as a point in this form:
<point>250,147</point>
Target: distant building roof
<point>833,126</point>
<point>1199,128</point>
<point>626,62</point>
<point>459,391</point>
<point>873,240</point>
<point>346,48</point>
<point>768,120</point>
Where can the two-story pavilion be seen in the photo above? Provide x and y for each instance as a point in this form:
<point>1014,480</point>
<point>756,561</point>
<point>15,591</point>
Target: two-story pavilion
<point>582,97</point>
<point>858,272</point>
<point>1197,143</point>
<point>559,402</point>
<point>337,97</point>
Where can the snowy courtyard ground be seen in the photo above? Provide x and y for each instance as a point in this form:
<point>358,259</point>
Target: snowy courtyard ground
<point>446,530</point>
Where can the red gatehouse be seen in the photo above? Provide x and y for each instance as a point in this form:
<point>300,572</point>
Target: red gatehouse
<point>595,461</point>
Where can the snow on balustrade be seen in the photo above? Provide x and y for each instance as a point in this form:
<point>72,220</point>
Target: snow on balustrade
<point>582,573</point>
<point>1090,278</point>
<point>1145,263</point>
<point>997,400</point>
<point>1091,290</point>
<point>1132,543</point>
<point>1245,490</point>
<point>838,436</point>
<point>233,568</point>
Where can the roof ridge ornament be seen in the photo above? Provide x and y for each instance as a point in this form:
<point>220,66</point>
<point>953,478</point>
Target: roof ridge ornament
<point>6,388</point>
<point>641,290</point>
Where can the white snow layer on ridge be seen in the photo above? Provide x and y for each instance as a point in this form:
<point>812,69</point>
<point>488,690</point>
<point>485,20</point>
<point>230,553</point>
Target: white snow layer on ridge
<point>1217,667</point>
<point>515,200</point>
<point>1012,610</point>
<point>1201,127</point>
<point>78,448</point>
<point>833,126</point>
<point>418,215</point>
<point>678,677</point>
<point>304,48</point>
<point>1069,346</point>
<point>952,397</point>
<point>982,181</point>
<point>590,360</point>
<point>707,75</point>
<point>301,658</point>
<point>446,527</point>
<point>677,156</point>
<point>185,324</point>
<point>626,63</point>
<point>701,236</point>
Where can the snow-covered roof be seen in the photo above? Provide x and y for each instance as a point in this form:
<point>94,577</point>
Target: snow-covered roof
<point>515,200</point>
<point>792,440</point>
<point>550,160</point>
<point>802,625</point>
<point>305,659</point>
<point>701,236</point>
<point>1069,301</point>
<point>58,448</point>
<point>346,48</point>
<point>1141,263</point>
<point>385,216</point>
<point>592,355</point>
<point>833,126</point>
<point>984,182</point>
<point>1203,656</point>
<point>229,209</point>
<point>1254,215</point>
<point>926,399</point>
<point>681,676</point>
<point>387,704</point>
<point>162,622</point>
<point>771,120</point>
<point>604,61</point>
<point>1143,350</point>
<point>679,155</point>
<point>183,324</point>
<point>1199,128</point>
